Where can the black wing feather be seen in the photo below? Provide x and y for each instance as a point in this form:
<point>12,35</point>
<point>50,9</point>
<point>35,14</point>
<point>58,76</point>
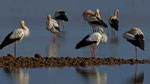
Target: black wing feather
<point>62,12</point>
<point>114,24</point>
<point>100,22</point>
<point>84,42</point>
<point>139,41</point>
<point>8,41</point>
<point>62,17</point>
<point>57,28</point>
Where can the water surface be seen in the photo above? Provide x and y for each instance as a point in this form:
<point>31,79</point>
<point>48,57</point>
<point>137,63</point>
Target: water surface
<point>133,13</point>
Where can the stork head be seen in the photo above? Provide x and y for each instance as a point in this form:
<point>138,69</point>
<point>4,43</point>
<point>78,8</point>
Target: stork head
<point>49,17</point>
<point>100,30</point>
<point>117,12</point>
<point>98,13</point>
<point>22,22</point>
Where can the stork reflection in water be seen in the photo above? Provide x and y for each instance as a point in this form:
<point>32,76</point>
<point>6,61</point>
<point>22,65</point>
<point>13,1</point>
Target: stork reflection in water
<point>93,76</point>
<point>138,78</point>
<point>53,49</point>
<point>19,75</point>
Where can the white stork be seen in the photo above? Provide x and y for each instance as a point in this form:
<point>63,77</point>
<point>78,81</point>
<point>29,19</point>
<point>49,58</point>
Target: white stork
<point>16,36</point>
<point>136,37</point>
<point>93,40</point>
<point>114,22</point>
<point>52,26</point>
<point>61,16</point>
<point>94,19</point>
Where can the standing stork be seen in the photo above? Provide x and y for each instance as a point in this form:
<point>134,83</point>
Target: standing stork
<point>16,36</point>
<point>113,21</point>
<point>93,40</point>
<point>94,19</point>
<point>136,37</point>
<point>52,26</point>
<point>61,16</point>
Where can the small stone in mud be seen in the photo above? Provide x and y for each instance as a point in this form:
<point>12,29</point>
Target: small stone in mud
<point>38,61</point>
<point>37,56</point>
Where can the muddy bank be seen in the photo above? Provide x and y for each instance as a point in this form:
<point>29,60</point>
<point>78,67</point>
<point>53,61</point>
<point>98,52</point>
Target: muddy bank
<point>10,61</point>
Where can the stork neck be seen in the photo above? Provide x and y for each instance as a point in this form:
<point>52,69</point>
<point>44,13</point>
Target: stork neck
<point>100,32</point>
<point>26,30</point>
<point>24,27</point>
<point>98,15</point>
<point>116,14</point>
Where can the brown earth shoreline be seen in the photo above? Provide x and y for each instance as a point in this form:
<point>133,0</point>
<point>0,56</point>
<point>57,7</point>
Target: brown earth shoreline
<point>38,61</point>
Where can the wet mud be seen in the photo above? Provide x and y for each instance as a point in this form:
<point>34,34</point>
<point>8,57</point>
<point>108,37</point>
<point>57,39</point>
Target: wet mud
<point>38,61</point>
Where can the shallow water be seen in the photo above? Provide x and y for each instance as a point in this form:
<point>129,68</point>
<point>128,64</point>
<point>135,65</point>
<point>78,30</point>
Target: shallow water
<point>133,13</point>
<point>124,74</point>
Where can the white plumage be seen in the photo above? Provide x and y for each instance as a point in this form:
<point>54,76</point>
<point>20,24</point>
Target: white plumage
<point>17,33</point>
<point>132,33</point>
<point>94,19</point>
<point>52,26</point>
<point>136,37</point>
<point>16,36</point>
<point>93,40</point>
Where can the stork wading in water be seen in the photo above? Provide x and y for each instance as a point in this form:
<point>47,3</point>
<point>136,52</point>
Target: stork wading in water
<point>94,19</point>
<point>136,37</point>
<point>93,40</point>
<point>61,16</point>
<point>114,22</point>
<point>52,26</point>
<point>16,36</point>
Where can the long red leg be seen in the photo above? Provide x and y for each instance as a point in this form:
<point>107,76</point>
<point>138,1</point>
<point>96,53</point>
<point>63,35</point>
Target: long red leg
<point>63,26</point>
<point>136,52</point>
<point>15,49</point>
<point>94,51</point>
<point>55,37</point>
<point>51,36</point>
<point>114,32</point>
<point>93,54</point>
<point>95,30</point>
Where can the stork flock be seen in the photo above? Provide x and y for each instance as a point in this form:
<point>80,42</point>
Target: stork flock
<point>135,36</point>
